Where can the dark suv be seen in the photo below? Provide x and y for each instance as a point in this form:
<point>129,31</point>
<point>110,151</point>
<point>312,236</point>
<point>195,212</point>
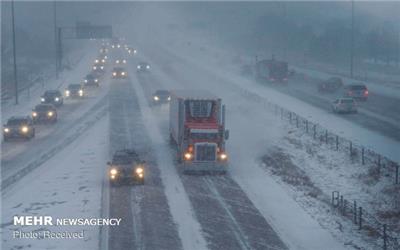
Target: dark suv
<point>19,127</point>
<point>126,167</point>
<point>357,91</point>
<point>74,90</point>
<point>53,97</point>
<point>331,85</point>
<point>44,113</point>
<point>91,80</point>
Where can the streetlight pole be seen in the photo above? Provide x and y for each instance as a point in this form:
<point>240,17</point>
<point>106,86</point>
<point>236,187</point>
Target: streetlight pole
<point>352,40</point>
<point>55,36</point>
<point>14,54</point>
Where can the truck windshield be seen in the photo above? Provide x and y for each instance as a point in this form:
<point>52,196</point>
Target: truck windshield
<point>200,108</point>
<point>204,136</point>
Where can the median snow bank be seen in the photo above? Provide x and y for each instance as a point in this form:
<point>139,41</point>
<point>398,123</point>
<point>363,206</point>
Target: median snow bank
<point>63,189</point>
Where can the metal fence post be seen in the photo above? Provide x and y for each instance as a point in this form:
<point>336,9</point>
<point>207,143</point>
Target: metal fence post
<point>351,148</point>
<point>307,126</point>
<point>337,142</point>
<point>355,211</point>
<point>315,131</point>
<point>360,218</point>
<point>384,237</point>
<point>326,136</point>
<point>362,156</point>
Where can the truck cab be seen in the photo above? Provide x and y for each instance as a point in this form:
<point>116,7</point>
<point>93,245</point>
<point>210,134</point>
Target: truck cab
<point>197,129</point>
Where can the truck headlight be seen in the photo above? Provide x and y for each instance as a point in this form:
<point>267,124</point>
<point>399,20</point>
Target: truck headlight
<point>138,67</point>
<point>114,73</point>
<point>101,67</point>
<point>156,98</point>
<point>80,92</point>
<point>113,171</point>
<point>103,61</point>
<point>169,98</point>
<point>24,129</point>
<point>105,57</point>
<point>118,46</point>
<point>96,80</point>
<point>67,92</point>
<point>112,46</point>
<point>129,51</point>
<point>223,156</point>
<point>42,99</point>
<point>6,130</point>
<point>94,67</point>
<point>139,171</point>
<point>117,61</point>
<point>96,61</point>
<point>134,51</point>
<point>50,114</point>
<point>188,156</point>
<point>56,99</point>
<point>34,114</point>
<point>123,73</point>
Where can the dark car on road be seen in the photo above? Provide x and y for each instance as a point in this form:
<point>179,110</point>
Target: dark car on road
<point>356,91</point>
<point>119,72</point>
<point>74,90</point>
<point>331,85</point>
<point>19,127</point>
<point>126,167</point>
<point>91,80</point>
<point>161,96</point>
<point>143,67</point>
<point>53,97</point>
<point>44,113</point>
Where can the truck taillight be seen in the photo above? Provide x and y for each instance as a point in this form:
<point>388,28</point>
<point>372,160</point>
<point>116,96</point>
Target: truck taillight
<point>366,92</point>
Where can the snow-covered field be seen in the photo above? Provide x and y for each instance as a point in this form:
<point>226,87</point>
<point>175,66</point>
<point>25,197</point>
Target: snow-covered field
<point>62,189</point>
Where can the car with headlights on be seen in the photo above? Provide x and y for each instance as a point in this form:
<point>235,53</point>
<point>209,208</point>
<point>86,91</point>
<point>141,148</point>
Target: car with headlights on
<point>344,105</point>
<point>161,96</point>
<point>91,80</point>
<point>143,67</point>
<point>98,68</point>
<point>131,51</point>
<point>45,113</point>
<point>52,97</point>
<point>119,72</point>
<point>19,127</point>
<point>126,167</point>
<point>74,91</point>
<point>120,61</point>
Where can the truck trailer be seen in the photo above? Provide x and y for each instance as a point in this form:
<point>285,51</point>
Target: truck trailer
<point>272,71</point>
<point>197,131</point>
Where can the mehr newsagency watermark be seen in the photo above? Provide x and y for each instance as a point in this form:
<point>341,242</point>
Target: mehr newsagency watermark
<point>57,224</point>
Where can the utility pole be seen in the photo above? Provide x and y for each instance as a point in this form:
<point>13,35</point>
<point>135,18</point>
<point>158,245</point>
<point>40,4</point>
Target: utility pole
<point>14,54</point>
<point>55,36</point>
<point>352,40</point>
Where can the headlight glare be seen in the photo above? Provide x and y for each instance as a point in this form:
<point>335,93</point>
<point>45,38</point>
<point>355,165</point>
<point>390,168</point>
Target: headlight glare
<point>114,171</point>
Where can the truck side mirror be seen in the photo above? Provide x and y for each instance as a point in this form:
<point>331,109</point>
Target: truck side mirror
<point>226,135</point>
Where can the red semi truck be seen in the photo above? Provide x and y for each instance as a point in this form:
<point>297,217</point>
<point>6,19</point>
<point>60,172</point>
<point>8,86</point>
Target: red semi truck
<point>197,129</point>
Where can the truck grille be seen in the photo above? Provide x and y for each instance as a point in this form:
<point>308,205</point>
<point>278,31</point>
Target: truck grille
<point>205,152</point>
